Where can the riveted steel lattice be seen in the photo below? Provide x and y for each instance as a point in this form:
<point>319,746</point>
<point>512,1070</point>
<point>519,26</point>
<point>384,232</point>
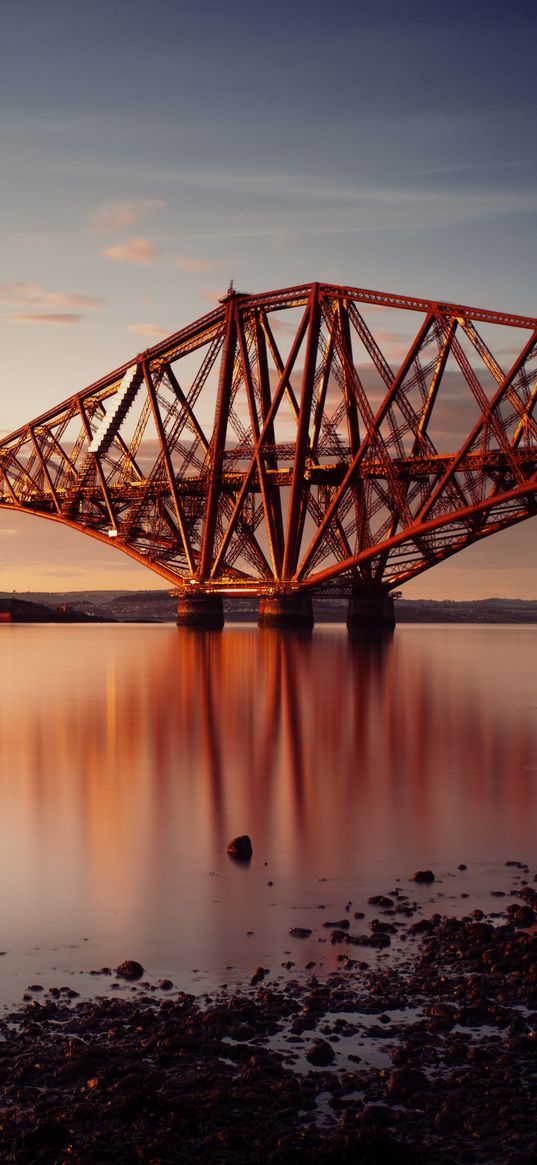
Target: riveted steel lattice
<point>271,445</point>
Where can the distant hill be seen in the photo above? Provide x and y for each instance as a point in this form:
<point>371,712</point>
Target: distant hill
<point>159,606</point>
<point>15,610</point>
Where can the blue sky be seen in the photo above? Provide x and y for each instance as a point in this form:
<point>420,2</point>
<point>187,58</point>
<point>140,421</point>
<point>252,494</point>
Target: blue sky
<point>151,151</point>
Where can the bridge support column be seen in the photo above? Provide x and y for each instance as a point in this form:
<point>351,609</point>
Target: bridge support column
<point>201,612</point>
<point>371,614</point>
<point>292,612</point>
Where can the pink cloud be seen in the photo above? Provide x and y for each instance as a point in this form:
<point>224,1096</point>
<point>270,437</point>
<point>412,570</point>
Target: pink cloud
<point>214,297</point>
<point>279,325</point>
<point>114,216</point>
<point>22,294</point>
<point>147,329</point>
<point>137,251</point>
<point>52,318</point>
<point>190,263</point>
<point>383,337</point>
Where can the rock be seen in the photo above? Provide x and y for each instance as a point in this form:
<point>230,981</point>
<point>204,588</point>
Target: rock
<point>423,876</point>
<point>407,1081</point>
<point>258,975</point>
<point>130,969</point>
<point>321,1054</point>
<point>300,931</point>
<point>381,900</point>
<point>380,940</point>
<point>520,915</point>
<point>240,848</point>
<point>339,936</point>
<point>379,927</point>
<point>442,1010</point>
<point>422,926</point>
<point>377,1115</point>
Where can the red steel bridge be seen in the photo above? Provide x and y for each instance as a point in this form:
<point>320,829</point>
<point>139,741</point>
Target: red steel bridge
<point>272,448</point>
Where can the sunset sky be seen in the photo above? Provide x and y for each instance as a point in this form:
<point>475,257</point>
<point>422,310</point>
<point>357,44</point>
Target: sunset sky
<point>152,151</point>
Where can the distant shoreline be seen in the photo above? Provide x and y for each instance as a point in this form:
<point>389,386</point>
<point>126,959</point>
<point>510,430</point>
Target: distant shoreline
<point>159,606</point>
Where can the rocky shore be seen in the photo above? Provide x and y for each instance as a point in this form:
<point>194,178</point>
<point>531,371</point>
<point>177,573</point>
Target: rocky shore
<point>427,1056</point>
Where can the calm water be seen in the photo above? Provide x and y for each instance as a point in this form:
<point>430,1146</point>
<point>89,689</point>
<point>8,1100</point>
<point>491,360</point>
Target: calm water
<point>130,755</point>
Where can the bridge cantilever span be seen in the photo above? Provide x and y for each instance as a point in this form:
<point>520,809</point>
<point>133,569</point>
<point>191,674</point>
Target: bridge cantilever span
<point>270,447</point>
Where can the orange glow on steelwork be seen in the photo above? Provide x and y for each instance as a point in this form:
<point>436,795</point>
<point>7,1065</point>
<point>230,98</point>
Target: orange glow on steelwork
<point>230,463</point>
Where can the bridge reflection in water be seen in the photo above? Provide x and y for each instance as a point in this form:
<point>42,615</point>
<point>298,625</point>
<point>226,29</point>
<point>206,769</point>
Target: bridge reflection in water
<point>124,777</point>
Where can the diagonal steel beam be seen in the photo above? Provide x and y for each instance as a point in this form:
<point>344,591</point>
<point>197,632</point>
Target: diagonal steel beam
<point>370,436</point>
<point>263,437</point>
<point>299,487</point>
<point>181,522</point>
<point>467,444</point>
<point>218,442</point>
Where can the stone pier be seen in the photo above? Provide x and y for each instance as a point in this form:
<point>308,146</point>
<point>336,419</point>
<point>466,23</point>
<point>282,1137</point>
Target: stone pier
<point>371,614</point>
<point>291,612</point>
<point>201,612</point>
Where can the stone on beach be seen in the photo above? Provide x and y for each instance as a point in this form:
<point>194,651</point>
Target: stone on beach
<point>321,1054</point>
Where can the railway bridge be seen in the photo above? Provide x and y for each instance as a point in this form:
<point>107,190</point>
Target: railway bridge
<point>272,448</point>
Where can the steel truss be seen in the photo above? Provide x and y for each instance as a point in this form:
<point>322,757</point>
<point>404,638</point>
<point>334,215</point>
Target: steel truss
<point>270,446</point>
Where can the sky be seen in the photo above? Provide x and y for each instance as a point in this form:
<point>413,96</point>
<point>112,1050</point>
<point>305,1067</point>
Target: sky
<point>152,150</point>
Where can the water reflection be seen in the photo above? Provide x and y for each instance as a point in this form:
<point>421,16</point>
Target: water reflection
<point>131,755</point>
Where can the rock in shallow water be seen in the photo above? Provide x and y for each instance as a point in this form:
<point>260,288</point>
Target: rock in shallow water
<point>321,1054</point>
<point>130,969</point>
<point>241,848</point>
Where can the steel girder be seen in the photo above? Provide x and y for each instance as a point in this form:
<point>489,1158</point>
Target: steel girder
<point>271,446</point>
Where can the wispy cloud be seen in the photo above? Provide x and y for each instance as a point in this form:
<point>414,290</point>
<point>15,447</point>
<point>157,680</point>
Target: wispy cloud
<point>138,251</point>
<point>474,167</point>
<point>385,337</point>
<point>31,295</point>
<point>52,318</point>
<point>283,326</point>
<point>114,216</point>
<point>374,210</point>
<point>311,187</point>
<point>190,263</point>
<point>213,297</point>
<point>147,329</point>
